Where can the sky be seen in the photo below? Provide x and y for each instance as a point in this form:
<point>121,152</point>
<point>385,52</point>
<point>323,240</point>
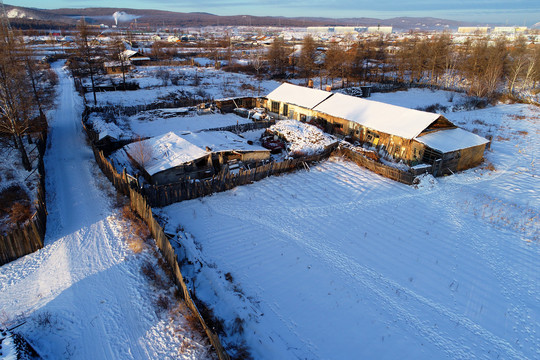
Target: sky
<point>510,12</point>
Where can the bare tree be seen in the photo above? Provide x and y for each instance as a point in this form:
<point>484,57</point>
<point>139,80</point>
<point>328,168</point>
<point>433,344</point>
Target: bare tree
<point>88,52</point>
<point>15,95</point>
<point>141,152</point>
<point>117,54</point>
<point>257,61</point>
<point>334,61</point>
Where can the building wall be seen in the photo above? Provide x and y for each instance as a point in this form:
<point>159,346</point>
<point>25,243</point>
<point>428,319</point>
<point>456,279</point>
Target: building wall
<point>471,157</point>
<point>196,170</point>
<point>298,113</point>
<point>396,146</point>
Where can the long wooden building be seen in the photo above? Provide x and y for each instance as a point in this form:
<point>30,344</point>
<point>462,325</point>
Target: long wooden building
<point>413,136</point>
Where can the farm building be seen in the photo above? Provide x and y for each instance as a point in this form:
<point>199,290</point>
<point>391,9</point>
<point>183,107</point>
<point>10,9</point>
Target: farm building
<point>134,57</point>
<point>404,134</point>
<point>170,157</point>
<point>294,102</point>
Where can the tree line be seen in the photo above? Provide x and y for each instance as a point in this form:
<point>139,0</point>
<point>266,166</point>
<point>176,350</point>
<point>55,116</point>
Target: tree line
<point>483,67</point>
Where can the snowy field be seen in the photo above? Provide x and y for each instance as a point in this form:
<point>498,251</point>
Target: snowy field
<point>340,263</point>
<point>199,81</point>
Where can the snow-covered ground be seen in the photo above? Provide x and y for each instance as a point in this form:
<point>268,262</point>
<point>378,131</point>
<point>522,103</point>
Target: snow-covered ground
<point>157,122</point>
<point>201,82</point>
<point>340,263</point>
<point>15,180</point>
<point>150,123</point>
<point>85,295</point>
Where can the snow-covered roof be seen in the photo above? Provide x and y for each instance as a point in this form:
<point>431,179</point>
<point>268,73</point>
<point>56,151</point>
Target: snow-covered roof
<point>166,151</point>
<point>128,53</point>
<point>171,149</point>
<point>104,129</point>
<point>451,140</point>
<point>386,118</point>
<point>298,95</point>
<point>218,141</point>
<point>134,55</point>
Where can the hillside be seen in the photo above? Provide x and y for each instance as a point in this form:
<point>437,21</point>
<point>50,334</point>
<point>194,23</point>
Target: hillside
<point>159,18</point>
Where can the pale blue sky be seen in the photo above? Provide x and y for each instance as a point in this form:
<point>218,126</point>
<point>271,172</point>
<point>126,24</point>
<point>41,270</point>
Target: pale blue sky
<point>511,12</point>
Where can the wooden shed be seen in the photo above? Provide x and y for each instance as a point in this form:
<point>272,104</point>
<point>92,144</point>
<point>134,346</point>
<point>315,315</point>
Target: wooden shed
<point>452,150</point>
<point>170,157</point>
<point>228,105</point>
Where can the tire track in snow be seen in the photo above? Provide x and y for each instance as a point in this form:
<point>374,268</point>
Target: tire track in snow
<point>372,280</point>
<point>376,282</point>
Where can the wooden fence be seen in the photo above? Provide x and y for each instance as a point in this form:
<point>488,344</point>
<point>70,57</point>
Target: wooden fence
<point>140,205</point>
<point>404,177</point>
<point>29,238</point>
<point>186,189</point>
<point>125,185</point>
<point>240,128</point>
<point>135,109</point>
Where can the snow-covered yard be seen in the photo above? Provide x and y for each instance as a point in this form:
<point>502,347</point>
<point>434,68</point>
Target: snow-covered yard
<point>340,263</point>
<point>200,82</point>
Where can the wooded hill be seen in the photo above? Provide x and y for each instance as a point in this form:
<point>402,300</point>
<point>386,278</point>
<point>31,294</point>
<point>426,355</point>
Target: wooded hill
<point>160,18</point>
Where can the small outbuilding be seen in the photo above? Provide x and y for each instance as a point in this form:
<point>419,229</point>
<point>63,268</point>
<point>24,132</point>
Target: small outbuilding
<point>452,150</point>
<point>171,157</point>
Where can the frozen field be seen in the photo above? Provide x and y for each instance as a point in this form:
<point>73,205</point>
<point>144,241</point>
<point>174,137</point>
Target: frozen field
<point>340,263</point>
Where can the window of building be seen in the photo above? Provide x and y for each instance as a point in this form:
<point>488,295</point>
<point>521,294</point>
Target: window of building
<point>285,109</point>
<point>372,137</point>
<point>275,106</point>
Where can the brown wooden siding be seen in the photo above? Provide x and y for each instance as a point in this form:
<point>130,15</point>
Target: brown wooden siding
<point>471,157</point>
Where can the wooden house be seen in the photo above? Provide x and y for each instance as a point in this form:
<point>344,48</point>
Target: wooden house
<point>134,57</point>
<point>171,157</point>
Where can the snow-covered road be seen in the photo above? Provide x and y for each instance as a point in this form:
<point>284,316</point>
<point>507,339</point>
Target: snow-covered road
<point>82,295</point>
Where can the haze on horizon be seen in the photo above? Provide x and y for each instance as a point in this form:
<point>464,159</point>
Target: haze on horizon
<point>517,12</point>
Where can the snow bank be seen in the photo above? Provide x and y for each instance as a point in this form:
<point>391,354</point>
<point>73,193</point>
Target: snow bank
<point>303,139</point>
